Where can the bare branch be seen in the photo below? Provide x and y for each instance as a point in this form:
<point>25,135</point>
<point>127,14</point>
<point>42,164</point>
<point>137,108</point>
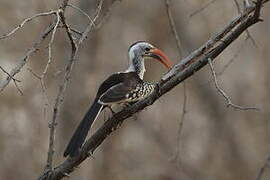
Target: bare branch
<point>202,8</point>
<point>55,173</point>
<point>216,40</point>
<point>183,70</point>
<point>25,21</point>
<point>9,74</point>
<point>180,52</point>
<point>90,26</point>
<point>247,31</point>
<point>263,168</point>
<point>24,60</point>
<point>236,54</point>
<point>18,88</point>
<point>51,125</point>
<point>221,92</point>
<point>225,67</point>
<point>176,156</point>
<point>173,27</point>
<point>76,31</point>
<point>50,45</point>
<point>81,11</point>
<point>163,87</point>
<point>33,73</point>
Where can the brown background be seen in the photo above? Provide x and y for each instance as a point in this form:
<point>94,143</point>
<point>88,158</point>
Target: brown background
<point>216,143</point>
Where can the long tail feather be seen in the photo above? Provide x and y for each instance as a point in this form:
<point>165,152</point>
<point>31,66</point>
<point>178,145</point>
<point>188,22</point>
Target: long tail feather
<point>82,130</point>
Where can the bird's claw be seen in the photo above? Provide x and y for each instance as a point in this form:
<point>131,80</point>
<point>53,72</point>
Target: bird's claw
<point>158,87</point>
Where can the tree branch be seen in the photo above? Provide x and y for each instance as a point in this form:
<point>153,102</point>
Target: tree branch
<point>180,52</point>
<point>183,70</point>
<point>25,21</point>
<point>263,168</point>
<point>247,31</point>
<point>222,92</point>
<point>202,8</point>
<point>49,172</point>
<point>28,54</point>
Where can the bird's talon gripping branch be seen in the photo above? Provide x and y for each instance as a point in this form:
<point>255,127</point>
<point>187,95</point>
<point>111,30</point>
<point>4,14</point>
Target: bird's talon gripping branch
<point>158,89</point>
<point>120,88</point>
<point>112,111</point>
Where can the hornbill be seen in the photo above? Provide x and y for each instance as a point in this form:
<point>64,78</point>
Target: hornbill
<point>120,88</point>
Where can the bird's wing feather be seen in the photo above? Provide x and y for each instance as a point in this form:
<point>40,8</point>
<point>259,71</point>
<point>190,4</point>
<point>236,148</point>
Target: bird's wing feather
<point>116,94</point>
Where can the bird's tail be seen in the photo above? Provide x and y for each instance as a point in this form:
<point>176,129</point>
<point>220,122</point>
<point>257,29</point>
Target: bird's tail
<point>82,130</point>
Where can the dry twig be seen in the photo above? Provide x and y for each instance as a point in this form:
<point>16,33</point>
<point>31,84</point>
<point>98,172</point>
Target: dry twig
<point>24,60</point>
<point>9,74</point>
<point>49,164</point>
<point>13,79</point>
<point>173,27</point>
<point>25,21</point>
<point>180,52</point>
<point>232,32</point>
<point>50,45</point>
<point>186,68</point>
<point>58,173</point>
<point>202,8</point>
<point>221,92</point>
<point>263,168</point>
<point>247,31</point>
<point>81,11</point>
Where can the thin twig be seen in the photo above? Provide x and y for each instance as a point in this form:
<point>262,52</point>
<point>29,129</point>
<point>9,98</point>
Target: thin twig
<point>232,31</point>
<point>235,56</point>
<point>91,24</point>
<point>33,73</point>
<point>263,168</point>
<point>18,88</point>
<point>50,45</point>
<point>14,80</point>
<point>60,96</point>
<point>63,85</point>
<point>221,92</point>
<point>81,11</point>
<point>173,27</point>
<point>202,8</point>
<point>9,74</point>
<point>44,93</point>
<point>180,52</point>
<point>75,31</point>
<point>176,156</point>
<point>225,67</point>
<point>25,21</point>
<point>51,150</point>
<point>24,60</point>
<point>216,39</point>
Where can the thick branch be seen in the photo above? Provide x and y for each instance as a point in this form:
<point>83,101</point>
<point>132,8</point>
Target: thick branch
<point>185,69</point>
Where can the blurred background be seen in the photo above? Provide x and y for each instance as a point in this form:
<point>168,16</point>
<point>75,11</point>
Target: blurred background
<point>216,142</point>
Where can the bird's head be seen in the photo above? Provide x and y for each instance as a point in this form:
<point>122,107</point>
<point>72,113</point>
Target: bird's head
<point>138,51</point>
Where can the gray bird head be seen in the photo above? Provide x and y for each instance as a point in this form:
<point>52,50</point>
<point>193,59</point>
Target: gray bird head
<point>141,49</point>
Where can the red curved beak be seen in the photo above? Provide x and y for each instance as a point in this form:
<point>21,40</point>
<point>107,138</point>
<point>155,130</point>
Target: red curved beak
<point>160,56</point>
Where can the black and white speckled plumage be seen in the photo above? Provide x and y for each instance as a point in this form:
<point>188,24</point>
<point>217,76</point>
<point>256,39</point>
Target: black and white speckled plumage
<point>141,91</point>
<point>123,87</point>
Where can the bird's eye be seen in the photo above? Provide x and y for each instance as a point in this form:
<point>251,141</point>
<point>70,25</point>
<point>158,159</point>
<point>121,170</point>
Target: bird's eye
<point>147,49</point>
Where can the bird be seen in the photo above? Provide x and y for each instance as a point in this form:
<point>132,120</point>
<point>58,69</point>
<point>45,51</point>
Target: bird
<point>120,88</point>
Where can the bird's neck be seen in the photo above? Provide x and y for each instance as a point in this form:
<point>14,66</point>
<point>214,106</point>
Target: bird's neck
<point>137,65</point>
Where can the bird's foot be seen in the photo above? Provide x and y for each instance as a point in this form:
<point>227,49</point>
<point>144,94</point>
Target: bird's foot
<point>158,88</point>
<point>110,108</point>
